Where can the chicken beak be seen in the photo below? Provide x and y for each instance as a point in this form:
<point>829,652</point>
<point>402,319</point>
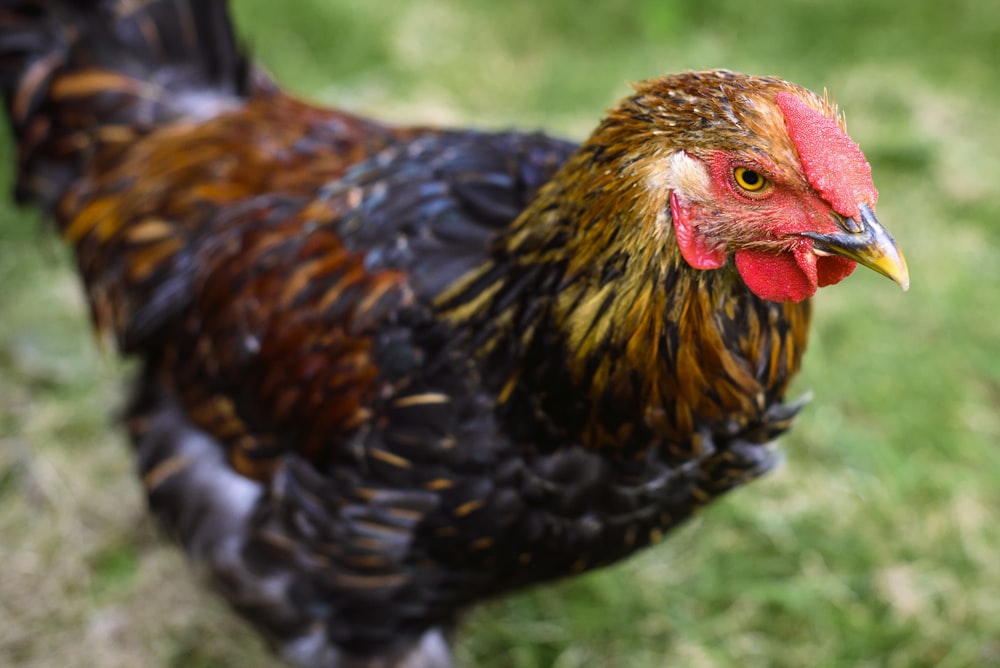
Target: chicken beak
<point>865,241</point>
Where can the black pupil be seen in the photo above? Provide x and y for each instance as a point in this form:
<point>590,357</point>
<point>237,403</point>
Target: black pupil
<point>750,177</point>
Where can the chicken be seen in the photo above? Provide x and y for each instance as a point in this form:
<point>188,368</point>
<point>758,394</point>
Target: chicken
<point>390,371</point>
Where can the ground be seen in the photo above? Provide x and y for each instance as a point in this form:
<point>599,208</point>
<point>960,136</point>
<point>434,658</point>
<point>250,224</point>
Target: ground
<point>876,542</point>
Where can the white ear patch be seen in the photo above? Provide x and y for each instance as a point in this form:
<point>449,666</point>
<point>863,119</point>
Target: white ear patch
<point>677,173</point>
<point>688,177</point>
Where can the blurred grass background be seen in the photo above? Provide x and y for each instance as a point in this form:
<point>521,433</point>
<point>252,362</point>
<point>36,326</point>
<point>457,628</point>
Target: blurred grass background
<point>877,544</point>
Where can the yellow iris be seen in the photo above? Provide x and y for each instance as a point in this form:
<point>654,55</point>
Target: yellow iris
<point>749,180</point>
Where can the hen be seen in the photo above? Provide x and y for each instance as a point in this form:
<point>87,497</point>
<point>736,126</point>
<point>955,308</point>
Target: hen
<point>391,371</point>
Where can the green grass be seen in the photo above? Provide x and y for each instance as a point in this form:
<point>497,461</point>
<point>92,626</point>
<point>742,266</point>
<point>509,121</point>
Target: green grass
<point>875,545</point>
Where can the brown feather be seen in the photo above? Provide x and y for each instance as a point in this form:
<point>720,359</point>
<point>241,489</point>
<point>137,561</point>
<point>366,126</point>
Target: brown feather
<point>389,372</point>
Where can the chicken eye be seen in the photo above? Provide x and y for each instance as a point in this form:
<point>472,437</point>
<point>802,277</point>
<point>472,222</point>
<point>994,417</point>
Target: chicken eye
<point>749,180</point>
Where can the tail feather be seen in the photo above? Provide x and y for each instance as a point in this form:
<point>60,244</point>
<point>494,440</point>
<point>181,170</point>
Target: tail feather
<point>81,79</point>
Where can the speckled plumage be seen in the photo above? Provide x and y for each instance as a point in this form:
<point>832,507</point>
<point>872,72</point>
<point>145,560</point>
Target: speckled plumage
<point>391,371</point>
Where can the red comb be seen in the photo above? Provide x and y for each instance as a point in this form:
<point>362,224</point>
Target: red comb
<point>833,163</point>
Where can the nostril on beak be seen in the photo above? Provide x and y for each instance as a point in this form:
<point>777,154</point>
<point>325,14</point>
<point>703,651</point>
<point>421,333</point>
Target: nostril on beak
<point>848,224</point>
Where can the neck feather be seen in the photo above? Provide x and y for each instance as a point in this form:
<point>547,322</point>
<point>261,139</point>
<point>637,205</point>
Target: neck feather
<point>593,329</point>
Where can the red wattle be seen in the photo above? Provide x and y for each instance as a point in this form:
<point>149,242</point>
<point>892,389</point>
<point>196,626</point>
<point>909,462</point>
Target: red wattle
<point>833,269</point>
<point>790,275</point>
<point>777,277</point>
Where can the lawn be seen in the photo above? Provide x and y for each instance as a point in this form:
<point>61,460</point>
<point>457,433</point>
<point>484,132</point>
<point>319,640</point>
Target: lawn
<point>878,541</point>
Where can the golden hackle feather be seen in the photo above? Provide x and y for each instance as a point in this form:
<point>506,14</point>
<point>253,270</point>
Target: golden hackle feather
<point>640,328</point>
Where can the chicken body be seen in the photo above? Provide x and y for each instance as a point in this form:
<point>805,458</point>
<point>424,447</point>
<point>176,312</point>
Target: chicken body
<point>391,371</point>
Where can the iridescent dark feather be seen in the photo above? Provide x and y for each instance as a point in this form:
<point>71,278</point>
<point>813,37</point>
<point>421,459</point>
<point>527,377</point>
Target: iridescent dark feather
<point>391,371</point>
